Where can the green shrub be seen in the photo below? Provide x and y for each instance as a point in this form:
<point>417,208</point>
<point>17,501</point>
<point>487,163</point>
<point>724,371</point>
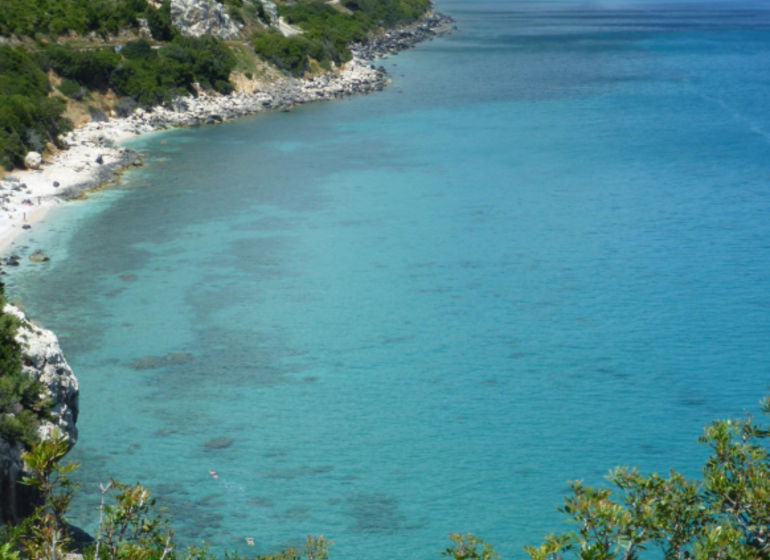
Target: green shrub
<point>72,89</point>
<point>159,22</point>
<point>91,68</point>
<point>388,13</point>
<point>152,76</point>
<point>328,32</point>
<point>58,17</point>
<point>20,75</point>
<point>148,75</point>
<point>28,117</point>
<point>287,53</point>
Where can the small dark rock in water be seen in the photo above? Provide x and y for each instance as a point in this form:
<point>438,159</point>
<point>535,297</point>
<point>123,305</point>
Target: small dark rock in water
<point>162,361</point>
<point>39,256</point>
<point>260,502</point>
<point>166,432</point>
<point>56,183</point>
<point>99,159</point>
<point>218,443</point>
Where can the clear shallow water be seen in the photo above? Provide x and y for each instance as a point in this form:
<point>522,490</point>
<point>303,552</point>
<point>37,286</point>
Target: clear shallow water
<point>541,253</point>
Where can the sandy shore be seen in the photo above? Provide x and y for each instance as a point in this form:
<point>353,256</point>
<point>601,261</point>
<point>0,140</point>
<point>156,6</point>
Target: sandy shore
<point>93,156</point>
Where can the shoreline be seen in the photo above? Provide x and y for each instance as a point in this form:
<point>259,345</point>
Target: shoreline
<point>93,158</point>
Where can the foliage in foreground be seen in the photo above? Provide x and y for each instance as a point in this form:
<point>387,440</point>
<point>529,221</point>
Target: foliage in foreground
<point>131,526</point>
<point>726,515</point>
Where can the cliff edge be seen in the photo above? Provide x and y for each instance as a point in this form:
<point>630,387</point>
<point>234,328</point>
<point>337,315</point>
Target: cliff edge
<point>43,360</point>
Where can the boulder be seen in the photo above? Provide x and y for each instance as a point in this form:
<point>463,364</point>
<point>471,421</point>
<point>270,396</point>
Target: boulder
<point>33,160</point>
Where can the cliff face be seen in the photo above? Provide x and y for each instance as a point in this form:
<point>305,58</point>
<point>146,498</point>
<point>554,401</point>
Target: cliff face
<point>44,360</point>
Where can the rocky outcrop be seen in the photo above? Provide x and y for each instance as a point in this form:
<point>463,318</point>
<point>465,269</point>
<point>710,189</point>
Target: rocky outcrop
<point>202,17</point>
<point>271,11</point>
<point>44,360</point>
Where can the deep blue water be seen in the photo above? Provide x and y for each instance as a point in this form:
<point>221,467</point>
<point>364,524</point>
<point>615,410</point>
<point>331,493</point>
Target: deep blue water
<point>542,252</point>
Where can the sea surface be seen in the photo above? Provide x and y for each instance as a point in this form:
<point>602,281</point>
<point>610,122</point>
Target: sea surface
<point>542,252</point>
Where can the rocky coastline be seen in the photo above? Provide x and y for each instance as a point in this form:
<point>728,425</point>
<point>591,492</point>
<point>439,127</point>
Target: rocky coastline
<point>92,156</point>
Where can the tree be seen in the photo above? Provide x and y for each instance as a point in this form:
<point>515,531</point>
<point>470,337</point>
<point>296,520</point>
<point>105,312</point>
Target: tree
<point>726,515</point>
<point>48,538</point>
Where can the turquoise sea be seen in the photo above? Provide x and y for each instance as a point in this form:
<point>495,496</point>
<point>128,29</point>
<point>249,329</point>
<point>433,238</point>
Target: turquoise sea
<point>542,252</point>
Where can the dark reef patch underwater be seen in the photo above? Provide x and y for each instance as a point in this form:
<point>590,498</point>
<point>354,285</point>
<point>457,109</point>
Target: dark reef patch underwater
<point>540,253</point>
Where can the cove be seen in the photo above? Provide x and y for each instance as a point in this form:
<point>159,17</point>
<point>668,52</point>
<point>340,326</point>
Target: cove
<point>540,253</point>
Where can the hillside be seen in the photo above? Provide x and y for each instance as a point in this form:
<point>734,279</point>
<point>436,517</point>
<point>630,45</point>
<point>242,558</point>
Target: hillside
<point>74,60</point>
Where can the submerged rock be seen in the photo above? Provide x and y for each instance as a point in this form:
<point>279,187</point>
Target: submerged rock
<point>38,256</point>
<point>218,443</point>
<point>152,362</point>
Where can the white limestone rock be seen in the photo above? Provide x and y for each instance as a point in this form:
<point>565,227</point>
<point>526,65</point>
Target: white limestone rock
<point>33,160</point>
<point>202,17</point>
<point>44,359</point>
<point>270,10</point>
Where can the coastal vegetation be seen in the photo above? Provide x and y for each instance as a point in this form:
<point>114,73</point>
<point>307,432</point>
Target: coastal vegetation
<point>29,117</point>
<point>20,402</point>
<point>724,515</point>
<point>329,32</point>
<point>52,18</point>
<point>57,58</point>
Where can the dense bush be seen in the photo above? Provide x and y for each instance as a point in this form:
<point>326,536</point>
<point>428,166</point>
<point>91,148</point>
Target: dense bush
<point>329,29</point>
<point>388,13</point>
<point>28,117</point>
<point>328,32</point>
<point>159,22</point>
<point>151,76</point>
<point>92,67</point>
<point>58,17</point>
<point>287,53</point>
<point>146,74</point>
